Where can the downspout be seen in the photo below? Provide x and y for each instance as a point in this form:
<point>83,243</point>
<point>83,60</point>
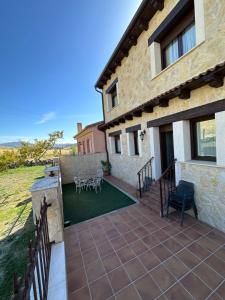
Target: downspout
<point>103,109</point>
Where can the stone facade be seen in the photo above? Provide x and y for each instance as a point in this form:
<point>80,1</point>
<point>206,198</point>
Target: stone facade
<point>209,181</point>
<point>75,165</point>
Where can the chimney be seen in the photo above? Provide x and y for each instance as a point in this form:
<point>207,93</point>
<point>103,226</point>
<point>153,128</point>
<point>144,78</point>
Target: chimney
<point>79,127</point>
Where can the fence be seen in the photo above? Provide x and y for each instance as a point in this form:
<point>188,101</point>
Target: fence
<point>34,285</point>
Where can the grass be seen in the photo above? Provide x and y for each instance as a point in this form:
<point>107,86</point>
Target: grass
<point>16,224</point>
<point>88,204</point>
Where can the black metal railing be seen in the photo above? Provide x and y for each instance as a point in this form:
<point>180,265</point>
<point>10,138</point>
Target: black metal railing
<point>145,178</point>
<point>34,284</point>
<point>167,184</point>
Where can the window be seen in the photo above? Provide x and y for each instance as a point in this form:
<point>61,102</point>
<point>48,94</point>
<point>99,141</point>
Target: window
<point>117,144</point>
<point>112,95</point>
<point>204,139</point>
<point>180,45</point>
<point>136,147</point>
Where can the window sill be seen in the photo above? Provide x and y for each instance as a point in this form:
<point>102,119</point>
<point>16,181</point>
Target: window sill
<point>203,163</point>
<point>177,61</point>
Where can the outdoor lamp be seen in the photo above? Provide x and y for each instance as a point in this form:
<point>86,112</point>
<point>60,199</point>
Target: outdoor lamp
<point>142,134</point>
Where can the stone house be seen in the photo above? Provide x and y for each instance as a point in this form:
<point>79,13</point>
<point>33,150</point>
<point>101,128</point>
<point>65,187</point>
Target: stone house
<point>90,139</point>
<point>163,96</point>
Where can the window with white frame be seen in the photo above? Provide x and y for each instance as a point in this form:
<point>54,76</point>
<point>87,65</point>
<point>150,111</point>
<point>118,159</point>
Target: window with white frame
<point>115,142</point>
<point>180,32</point>
<point>133,140</point>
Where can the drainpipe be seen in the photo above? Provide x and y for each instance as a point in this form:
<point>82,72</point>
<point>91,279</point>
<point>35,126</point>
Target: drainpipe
<point>100,92</point>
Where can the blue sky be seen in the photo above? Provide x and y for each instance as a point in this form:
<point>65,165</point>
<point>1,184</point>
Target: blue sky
<point>51,54</point>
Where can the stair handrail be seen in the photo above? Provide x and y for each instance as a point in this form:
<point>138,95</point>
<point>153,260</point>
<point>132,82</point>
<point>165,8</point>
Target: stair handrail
<point>140,174</point>
<point>172,185</point>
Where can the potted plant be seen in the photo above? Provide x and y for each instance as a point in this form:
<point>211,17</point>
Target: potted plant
<point>106,167</point>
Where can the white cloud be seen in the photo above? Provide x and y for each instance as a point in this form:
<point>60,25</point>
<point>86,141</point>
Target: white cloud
<point>46,117</point>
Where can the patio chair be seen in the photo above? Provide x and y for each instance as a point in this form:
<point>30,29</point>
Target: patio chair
<point>79,183</point>
<point>95,183</point>
<point>182,199</point>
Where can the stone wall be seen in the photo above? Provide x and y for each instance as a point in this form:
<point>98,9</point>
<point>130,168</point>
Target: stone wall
<point>135,85</point>
<point>209,181</point>
<point>80,164</point>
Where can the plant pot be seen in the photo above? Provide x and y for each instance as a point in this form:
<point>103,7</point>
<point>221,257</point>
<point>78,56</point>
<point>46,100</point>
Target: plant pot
<point>106,172</point>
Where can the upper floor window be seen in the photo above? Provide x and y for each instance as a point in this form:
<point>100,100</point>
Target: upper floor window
<point>112,95</point>
<point>180,45</point>
<point>204,138</point>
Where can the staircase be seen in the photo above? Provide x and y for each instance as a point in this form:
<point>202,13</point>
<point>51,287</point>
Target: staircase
<point>156,197</point>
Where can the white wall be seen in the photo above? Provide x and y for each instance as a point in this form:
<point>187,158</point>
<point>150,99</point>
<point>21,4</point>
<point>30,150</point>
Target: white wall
<point>220,138</point>
<point>155,151</point>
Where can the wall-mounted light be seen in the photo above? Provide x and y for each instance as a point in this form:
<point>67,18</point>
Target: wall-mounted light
<point>142,134</point>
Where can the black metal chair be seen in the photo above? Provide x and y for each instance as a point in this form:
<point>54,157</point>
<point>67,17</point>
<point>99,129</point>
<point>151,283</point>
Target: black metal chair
<point>182,199</point>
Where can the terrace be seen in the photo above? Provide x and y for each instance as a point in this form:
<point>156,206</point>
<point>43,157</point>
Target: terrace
<point>132,253</point>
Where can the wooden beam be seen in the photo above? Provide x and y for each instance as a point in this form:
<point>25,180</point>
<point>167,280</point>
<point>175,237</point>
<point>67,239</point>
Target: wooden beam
<point>158,5</point>
<point>183,93</point>
<point>116,123</point>
<point>117,63</point>
<point>132,40</point>
<point>129,117</point>
<point>137,113</point>
<point>122,120</point>
<point>143,25</point>
<point>163,102</point>
<point>214,80</point>
<point>124,52</point>
<point>111,125</point>
<point>148,109</point>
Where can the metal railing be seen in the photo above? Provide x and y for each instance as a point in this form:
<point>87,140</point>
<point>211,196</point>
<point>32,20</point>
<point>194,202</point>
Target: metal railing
<point>145,177</point>
<point>34,285</point>
<point>167,184</point>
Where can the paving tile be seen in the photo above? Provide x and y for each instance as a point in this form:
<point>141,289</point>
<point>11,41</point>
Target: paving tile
<point>163,278</point>
<point>192,234</point>
<point>217,236</point>
<point>101,289</point>
<point>172,245</point>
<point>110,262</point>
<point>128,293</point>
<point>214,296</point>
<point>160,235</point>
<point>221,290</point>
<point>95,270</point>
<point>90,256</point>
<point>76,280</point>
<point>130,237</point>
<point>198,250</point>
<point>149,260</point>
<point>81,294</point>
<point>176,267</point>
<point>208,243</point>
<point>206,274</point>
<point>73,263</point>
<point>134,269</point>
<point>112,233</point>
<point>118,243</point>
<point>171,230</point>
<point>217,264</point>
<point>150,241</point>
<point>221,253</point>
<point>138,247</point>
<point>141,232</point>
<point>202,228</point>
<point>161,252</point>
<point>105,249</point>
<point>183,239</point>
<point>195,286</point>
<point>125,254</point>
<point>188,259</point>
<point>118,279</point>
<point>177,292</point>
<point>151,227</point>
<point>147,288</point>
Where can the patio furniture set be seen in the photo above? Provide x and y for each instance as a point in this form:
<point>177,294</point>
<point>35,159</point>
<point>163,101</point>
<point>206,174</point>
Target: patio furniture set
<point>89,181</point>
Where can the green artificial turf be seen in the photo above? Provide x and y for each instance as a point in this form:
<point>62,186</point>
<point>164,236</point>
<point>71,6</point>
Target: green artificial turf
<point>88,204</point>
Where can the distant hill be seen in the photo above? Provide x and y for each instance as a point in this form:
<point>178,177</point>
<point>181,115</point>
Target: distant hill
<point>18,144</point>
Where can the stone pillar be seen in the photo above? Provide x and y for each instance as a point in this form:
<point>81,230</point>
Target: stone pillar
<point>50,188</point>
<point>155,151</point>
<point>182,144</point>
<point>220,138</point>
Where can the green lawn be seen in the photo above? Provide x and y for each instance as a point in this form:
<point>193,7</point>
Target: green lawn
<point>16,224</point>
<point>88,204</point>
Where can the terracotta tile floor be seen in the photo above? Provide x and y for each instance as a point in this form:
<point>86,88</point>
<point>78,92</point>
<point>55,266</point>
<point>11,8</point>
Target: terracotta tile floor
<point>134,254</point>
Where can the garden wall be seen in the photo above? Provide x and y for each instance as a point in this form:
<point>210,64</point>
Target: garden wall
<point>80,164</point>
